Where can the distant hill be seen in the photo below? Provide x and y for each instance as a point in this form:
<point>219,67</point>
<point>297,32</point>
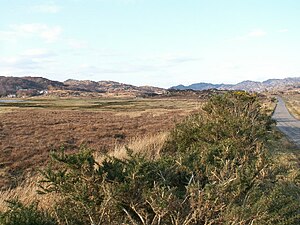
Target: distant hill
<point>198,86</point>
<point>271,84</point>
<point>39,85</point>
<point>108,86</point>
<point>11,85</point>
<point>29,86</point>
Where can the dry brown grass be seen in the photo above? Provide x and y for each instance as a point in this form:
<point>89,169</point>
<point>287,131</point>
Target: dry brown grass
<point>294,108</point>
<point>287,149</point>
<point>149,146</point>
<point>6,109</point>
<point>27,193</point>
<point>293,103</point>
<point>286,155</point>
<point>28,135</point>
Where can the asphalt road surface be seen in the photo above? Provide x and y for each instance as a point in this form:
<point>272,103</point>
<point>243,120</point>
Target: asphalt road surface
<point>286,123</point>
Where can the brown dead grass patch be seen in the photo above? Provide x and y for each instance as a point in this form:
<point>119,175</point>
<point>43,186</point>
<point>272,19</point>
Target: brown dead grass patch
<point>149,146</point>
<point>26,192</point>
<point>293,103</point>
<point>28,134</point>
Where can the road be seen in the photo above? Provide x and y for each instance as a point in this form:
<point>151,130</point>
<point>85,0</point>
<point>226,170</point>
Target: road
<point>286,123</point>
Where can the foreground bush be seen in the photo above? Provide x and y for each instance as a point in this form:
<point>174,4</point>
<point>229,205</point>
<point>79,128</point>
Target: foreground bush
<point>19,214</point>
<point>215,168</point>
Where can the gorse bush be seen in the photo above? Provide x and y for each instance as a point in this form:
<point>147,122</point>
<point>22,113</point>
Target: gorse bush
<point>117,190</point>
<point>19,214</point>
<point>226,144</point>
<point>215,168</point>
<point>232,120</point>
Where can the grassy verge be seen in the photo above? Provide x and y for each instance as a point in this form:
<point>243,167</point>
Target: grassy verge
<point>293,104</point>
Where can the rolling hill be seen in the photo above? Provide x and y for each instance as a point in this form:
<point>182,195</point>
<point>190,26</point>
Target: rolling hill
<point>11,86</point>
<point>29,86</point>
<point>271,84</point>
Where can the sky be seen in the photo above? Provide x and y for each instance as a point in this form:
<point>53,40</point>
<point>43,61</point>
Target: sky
<point>151,42</point>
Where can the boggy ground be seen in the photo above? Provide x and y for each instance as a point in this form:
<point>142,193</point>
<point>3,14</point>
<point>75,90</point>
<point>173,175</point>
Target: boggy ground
<point>30,130</point>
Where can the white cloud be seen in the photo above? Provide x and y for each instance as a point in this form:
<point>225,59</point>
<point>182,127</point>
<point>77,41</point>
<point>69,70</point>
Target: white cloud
<point>137,65</point>
<point>176,58</point>
<point>51,34</point>
<point>29,28</point>
<point>283,30</point>
<point>38,53</point>
<point>47,33</point>
<point>229,66</point>
<point>28,61</point>
<point>257,33</point>
<point>46,8</point>
<point>77,44</point>
<point>7,36</point>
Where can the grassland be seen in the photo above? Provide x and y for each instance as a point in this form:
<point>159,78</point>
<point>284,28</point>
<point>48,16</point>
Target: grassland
<point>30,129</point>
<point>141,124</point>
<point>293,103</point>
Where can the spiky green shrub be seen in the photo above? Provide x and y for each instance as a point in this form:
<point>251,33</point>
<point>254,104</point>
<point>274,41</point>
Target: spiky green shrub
<point>232,119</point>
<point>117,190</point>
<point>226,143</point>
<point>215,169</point>
<point>20,214</point>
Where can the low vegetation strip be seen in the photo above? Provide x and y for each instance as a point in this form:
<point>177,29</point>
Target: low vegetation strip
<point>215,167</point>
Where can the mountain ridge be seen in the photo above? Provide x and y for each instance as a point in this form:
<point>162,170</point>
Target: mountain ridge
<point>28,86</point>
<point>16,86</point>
<point>247,85</point>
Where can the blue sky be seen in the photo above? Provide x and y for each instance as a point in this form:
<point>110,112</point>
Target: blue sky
<point>151,42</point>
